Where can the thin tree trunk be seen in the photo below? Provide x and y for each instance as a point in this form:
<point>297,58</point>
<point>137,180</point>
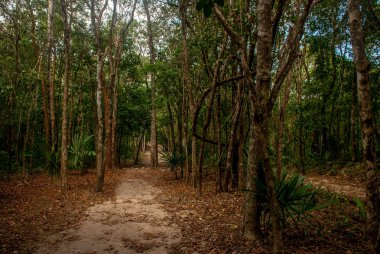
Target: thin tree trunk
<point>171,124</point>
<point>232,140</point>
<point>367,123</point>
<point>67,35</point>
<point>219,138</point>
<point>208,116</point>
<point>139,148</point>
<point>26,137</point>
<point>353,123</point>
<point>153,124</point>
<point>114,124</point>
<point>187,89</point>
<point>50,72</point>
<point>96,23</point>
<point>280,131</point>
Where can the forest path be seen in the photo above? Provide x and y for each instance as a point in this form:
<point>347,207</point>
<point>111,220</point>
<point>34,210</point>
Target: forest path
<point>134,222</point>
<point>339,185</point>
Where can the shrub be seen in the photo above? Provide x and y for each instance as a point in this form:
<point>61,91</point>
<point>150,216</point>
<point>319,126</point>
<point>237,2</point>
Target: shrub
<point>295,198</point>
<point>79,151</point>
<point>173,158</point>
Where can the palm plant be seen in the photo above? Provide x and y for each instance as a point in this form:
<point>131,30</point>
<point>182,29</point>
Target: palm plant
<point>79,151</point>
<point>295,198</point>
<point>173,158</point>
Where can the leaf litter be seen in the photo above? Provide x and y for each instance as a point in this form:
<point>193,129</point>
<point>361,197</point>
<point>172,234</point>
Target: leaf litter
<point>184,223</point>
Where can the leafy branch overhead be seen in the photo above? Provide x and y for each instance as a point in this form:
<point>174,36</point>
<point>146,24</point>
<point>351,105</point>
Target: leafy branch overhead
<point>206,6</point>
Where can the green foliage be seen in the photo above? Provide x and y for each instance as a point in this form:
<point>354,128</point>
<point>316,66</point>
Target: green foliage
<point>79,151</point>
<point>173,158</point>
<point>295,198</point>
<point>361,206</point>
<point>52,158</point>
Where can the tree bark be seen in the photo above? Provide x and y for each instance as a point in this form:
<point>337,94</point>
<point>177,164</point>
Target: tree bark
<point>96,24</point>
<point>280,131</point>
<point>186,91</point>
<point>367,124</point>
<point>232,139</point>
<point>353,123</point>
<point>260,113</point>
<point>67,35</point>
<point>50,73</point>
<point>153,123</point>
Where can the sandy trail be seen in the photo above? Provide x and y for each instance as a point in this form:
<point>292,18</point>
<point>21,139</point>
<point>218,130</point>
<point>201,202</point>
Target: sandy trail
<point>337,185</point>
<point>134,223</point>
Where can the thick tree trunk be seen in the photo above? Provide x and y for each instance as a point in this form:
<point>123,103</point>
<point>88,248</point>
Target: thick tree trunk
<point>261,112</point>
<point>251,217</point>
<point>367,124</point>
<point>153,124</point>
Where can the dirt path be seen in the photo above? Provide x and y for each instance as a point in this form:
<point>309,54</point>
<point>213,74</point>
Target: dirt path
<point>134,223</point>
<point>338,185</point>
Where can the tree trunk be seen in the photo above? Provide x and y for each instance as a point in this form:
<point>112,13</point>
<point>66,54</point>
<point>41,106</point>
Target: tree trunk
<point>171,125</point>
<point>232,140</point>
<point>26,137</point>
<point>96,24</point>
<point>67,35</point>
<point>114,125</point>
<point>367,124</point>
<point>353,123</point>
<point>187,89</point>
<point>218,179</point>
<point>208,117</point>
<point>280,131</point>
<point>139,148</point>
<point>153,124</point>
<point>50,73</point>
<point>261,113</point>
<point>251,216</point>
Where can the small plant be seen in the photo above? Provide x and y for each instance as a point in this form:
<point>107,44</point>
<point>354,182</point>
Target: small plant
<point>79,151</point>
<point>53,160</point>
<point>361,206</point>
<point>173,158</point>
<point>295,198</point>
